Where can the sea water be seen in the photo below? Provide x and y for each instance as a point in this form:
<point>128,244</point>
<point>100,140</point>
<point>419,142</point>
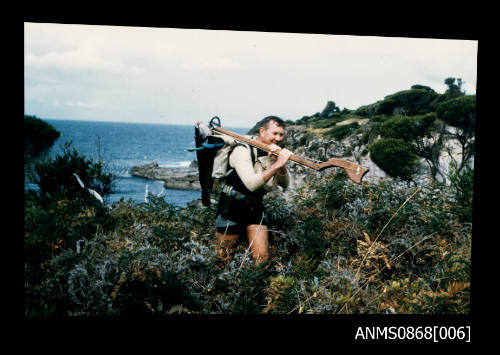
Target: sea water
<point>124,145</point>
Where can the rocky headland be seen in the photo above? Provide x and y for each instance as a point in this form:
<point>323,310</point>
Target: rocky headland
<point>173,178</point>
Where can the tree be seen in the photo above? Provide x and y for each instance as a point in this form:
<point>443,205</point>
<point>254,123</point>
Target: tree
<point>424,132</point>
<point>329,109</point>
<point>428,140</point>
<point>460,113</point>
<point>453,91</point>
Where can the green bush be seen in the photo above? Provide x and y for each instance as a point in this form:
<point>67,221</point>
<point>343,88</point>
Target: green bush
<point>395,156</point>
<point>398,127</point>
<point>55,178</point>
<point>410,129</point>
<point>324,123</point>
<point>60,214</point>
<point>408,102</point>
<point>379,118</point>
<point>340,132</point>
<point>368,110</point>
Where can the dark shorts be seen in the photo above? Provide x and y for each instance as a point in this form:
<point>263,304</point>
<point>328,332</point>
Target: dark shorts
<point>234,215</point>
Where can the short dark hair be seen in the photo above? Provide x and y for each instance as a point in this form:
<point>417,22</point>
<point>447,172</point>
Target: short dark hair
<point>265,121</point>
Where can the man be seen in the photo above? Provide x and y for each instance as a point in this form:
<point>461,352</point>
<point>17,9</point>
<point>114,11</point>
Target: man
<point>255,173</point>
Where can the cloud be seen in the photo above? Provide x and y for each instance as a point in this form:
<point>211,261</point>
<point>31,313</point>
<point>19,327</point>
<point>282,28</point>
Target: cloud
<point>206,63</point>
<point>79,104</point>
<point>79,59</point>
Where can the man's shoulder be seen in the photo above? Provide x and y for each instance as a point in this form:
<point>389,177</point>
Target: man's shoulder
<point>241,147</point>
<point>241,152</point>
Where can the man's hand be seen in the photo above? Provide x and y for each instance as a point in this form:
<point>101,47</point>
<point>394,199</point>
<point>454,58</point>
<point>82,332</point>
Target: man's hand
<point>283,155</point>
<point>274,149</point>
<point>279,165</point>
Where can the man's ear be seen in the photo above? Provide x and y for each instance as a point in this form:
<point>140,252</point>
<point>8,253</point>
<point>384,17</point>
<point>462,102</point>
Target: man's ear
<point>261,130</point>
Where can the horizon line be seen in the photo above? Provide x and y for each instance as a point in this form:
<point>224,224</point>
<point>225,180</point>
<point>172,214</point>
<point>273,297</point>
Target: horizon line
<point>133,122</point>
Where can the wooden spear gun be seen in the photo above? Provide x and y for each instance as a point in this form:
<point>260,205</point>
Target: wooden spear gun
<point>354,171</point>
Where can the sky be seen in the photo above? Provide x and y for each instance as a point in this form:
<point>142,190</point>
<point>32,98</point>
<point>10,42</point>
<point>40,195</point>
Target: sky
<point>181,76</point>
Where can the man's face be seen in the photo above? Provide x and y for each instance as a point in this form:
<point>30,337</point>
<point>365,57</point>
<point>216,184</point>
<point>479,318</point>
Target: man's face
<point>274,134</point>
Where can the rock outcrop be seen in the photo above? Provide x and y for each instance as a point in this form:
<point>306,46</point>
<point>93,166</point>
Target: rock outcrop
<point>304,142</point>
<point>173,178</point>
<point>313,146</point>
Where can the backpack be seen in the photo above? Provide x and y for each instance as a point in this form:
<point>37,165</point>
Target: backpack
<point>212,153</point>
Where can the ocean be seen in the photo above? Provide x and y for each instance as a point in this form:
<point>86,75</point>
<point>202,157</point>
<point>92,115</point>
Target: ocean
<point>122,145</point>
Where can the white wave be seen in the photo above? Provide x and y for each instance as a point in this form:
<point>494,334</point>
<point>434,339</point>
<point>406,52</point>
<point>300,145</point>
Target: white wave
<point>181,164</point>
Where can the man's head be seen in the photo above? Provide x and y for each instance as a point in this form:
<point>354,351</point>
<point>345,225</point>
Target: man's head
<point>271,130</point>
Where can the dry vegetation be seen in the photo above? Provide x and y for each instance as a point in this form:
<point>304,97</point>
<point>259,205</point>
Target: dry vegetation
<point>338,248</point>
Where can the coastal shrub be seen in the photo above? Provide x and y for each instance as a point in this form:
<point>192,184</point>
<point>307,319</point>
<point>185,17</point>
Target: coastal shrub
<point>412,221</point>
<point>303,120</point>
<point>38,136</point>
<point>379,118</point>
<point>61,211</point>
<point>395,156</point>
<point>324,123</point>
<point>58,215</point>
<point>151,284</point>
<point>247,296</point>
<point>53,235</point>
<point>55,178</point>
<point>462,183</point>
<point>410,129</point>
<point>358,253</point>
<point>367,110</point>
<point>336,247</point>
<point>340,132</point>
<point>408,102</point>
<point>398,127</point>
<point>332,188</point>
<point>424,132</point>
<point>280,295</point>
